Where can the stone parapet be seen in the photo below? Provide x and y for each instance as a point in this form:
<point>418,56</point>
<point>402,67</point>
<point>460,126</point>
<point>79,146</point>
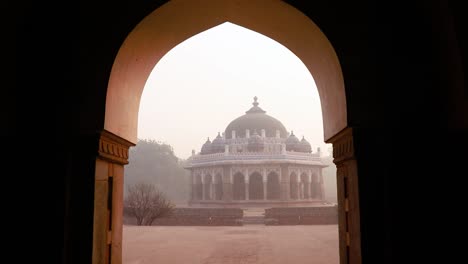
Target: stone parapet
<point>320,215</point>
<point>255,157</point>
<point>197,217</point>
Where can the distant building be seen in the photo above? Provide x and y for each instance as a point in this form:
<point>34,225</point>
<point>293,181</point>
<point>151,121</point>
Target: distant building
<point>256,162</point>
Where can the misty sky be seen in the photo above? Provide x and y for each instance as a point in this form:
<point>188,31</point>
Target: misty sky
<point>205,82</point>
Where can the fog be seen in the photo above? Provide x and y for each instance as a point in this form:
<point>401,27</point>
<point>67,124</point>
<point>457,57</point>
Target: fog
<point>193,93</point>
<point>205,82</point>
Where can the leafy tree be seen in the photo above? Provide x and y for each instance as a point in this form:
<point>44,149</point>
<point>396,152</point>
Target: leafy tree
<point>146,203</point>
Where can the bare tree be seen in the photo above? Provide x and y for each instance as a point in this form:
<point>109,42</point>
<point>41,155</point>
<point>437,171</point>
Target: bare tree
<point>147,203</point>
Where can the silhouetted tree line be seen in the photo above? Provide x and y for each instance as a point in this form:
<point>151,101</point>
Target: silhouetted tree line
<point>153,162</point>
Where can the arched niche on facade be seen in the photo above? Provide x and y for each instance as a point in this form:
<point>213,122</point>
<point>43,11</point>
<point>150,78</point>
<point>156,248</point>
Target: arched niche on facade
<point>218,186</point>
<point>293,186</point>
<point>198,187</point>
<point>208,195</point>
<point>238,186</point>
<point>255,186</point>
<point>273,186</point>
<point>315,188</point>
<point>304,186</point>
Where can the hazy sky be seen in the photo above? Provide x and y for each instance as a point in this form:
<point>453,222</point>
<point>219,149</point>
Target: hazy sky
<point>205,82</point>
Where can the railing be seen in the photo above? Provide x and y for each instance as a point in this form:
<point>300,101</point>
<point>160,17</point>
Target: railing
<point>289,155</point>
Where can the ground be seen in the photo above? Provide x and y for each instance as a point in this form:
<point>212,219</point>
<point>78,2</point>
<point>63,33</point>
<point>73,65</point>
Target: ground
<point>312,244</point>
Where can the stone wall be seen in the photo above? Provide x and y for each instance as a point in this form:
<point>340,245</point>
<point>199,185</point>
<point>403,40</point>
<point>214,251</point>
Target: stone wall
<point>197,216</point>
<point>327,215</point>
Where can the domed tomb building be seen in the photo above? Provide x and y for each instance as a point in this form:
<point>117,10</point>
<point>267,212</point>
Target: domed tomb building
<point>256,162</point>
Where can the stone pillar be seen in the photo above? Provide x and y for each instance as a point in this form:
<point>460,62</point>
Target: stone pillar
<point>284,183</point>
<point>192,186</point>
<point>227,184</point>
<point>321,185</point>
<point>348,196</point>
<point>309,185</point>
<point>108,198</point>
<point>212,188</point>
<point>298,188</point>
<point>246,180</point>
<point>302,190</point>
<point>264,177</point>
<point>203,187</point>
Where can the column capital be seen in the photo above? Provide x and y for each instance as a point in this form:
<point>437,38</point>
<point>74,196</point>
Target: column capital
<point>113,148</point>
<point>343,146</point>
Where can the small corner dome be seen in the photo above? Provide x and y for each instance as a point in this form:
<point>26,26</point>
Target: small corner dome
<point>304,146</point>
<point>218,144</point>
<point>292,142</point>
<point>206,148</point>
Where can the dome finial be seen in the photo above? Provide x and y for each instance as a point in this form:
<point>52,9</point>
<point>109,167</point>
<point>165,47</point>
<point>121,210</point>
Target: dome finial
<point>255,103</point>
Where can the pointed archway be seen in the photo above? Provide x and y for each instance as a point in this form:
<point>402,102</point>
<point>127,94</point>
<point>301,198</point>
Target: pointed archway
<point>161,31</point>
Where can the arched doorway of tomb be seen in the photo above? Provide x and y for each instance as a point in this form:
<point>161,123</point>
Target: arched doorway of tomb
<point>198,187</point>
<point>208,187</point>
<point>256,186</point>
<point>273,186</point>
<point>315,186</point>
<point>161,31</point>
<point>238,187</point>
<point>293,186</point>
<point>218,187</point>
<point>304,187</point>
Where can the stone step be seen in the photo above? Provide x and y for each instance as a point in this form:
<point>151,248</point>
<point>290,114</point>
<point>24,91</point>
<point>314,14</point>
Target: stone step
<point>253,220</point>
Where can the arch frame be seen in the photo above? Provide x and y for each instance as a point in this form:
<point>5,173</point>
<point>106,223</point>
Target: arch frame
<point>161,31</point>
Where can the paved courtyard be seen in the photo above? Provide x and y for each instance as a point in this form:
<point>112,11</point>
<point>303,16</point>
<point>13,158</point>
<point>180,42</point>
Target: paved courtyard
<point>313,244</point>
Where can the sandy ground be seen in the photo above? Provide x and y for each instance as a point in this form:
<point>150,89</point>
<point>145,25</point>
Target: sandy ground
<point>314,244</point>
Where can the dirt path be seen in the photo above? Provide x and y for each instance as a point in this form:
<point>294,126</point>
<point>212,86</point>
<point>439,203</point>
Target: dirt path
<point>231,245</point>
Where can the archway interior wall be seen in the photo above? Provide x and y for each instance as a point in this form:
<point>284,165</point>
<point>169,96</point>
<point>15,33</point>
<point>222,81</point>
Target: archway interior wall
<point>163,29</point>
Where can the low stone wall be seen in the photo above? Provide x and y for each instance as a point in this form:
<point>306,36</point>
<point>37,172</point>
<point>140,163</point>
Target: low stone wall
<point>327,215</point>
<point>197,217</point>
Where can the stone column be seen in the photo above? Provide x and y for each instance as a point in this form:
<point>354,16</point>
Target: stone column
<point>309,185</point>
<point>203,187</point>
<point>348,196</point>
<point>321,185</point>
<point>212,188</point>
<point>298,188</point>
<point>303,184</point>
<point>264,176</point>
<point>108,198</point>
<point>246,180</point>
<point>284,183</point>
<point>192,186</point>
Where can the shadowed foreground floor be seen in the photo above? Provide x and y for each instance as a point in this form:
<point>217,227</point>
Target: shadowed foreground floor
<point>313,244</point>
